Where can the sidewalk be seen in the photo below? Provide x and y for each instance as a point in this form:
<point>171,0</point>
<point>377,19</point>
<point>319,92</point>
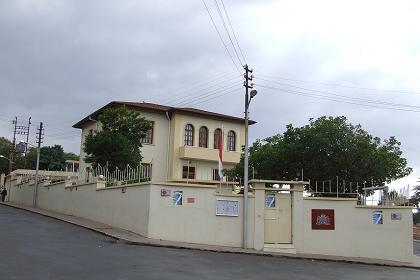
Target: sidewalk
<point>131,238</point>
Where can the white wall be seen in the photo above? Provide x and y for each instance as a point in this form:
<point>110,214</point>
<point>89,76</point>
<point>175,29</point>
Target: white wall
<point>355,234</point>
<point>110,206</point>
<point>196,222</point>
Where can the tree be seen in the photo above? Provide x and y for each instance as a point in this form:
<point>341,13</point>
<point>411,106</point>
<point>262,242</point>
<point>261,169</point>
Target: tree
<point>415,198</point>
<point>325,148</point>
<point>51,158</point>
<point>5,146</point>
<point>118,143</point>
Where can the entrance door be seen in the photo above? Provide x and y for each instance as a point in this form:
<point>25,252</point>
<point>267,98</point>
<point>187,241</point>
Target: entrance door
<point>278,218</point>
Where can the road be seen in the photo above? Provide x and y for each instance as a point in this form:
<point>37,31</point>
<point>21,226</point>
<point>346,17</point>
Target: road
<point>36,247</point>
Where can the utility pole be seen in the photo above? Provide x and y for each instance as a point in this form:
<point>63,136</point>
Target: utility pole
<point>12,151</point>
<point>39,140</point>
<point>27,138</point>
<point>248,97</point>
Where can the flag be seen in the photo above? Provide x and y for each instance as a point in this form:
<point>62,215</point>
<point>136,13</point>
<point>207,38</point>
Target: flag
<point>221,155</point>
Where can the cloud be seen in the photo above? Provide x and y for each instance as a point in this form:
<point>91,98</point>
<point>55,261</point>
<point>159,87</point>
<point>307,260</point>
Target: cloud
<point>61,60</point>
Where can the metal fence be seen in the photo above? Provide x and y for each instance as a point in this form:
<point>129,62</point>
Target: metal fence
<point>117,177</point>
<point>365,193</point>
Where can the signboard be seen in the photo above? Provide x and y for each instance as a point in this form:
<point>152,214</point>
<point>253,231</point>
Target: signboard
<point>270,200</point>
<point>191,200</point>
<point>165,192</point>
<point>396,216</point>
<point>377,217</point>
<point>227,208</point>
<point>177,198</point>
<point>323,219</point>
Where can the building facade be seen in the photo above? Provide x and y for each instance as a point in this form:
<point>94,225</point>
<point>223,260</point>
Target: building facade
<point>183,144</point>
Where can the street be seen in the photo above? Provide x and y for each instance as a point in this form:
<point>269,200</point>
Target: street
<point>37,247</point>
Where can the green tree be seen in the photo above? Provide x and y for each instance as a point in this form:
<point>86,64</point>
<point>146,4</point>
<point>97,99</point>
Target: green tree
<point>51,158</point>
<point>71,156</point>
<point>5,146</point>
<point>415,198</point>
<point>118,142</point>
<point>325,148</point>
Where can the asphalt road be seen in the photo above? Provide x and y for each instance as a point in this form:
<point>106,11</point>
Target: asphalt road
<point>36,247</point>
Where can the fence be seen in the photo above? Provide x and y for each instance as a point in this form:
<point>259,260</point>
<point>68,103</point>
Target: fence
<point>366,193</point>
<point>117,177</point>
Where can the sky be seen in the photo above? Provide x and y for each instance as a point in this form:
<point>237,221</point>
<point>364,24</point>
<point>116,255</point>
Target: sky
<point>60,60</point>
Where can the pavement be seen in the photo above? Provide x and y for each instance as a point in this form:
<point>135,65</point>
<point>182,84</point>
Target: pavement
<point>127,237</point>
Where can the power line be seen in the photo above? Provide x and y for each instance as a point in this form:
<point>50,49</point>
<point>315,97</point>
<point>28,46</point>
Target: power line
<point>318,96</point>
<point>217,96</point>
<point>233,32</point>
<point>341,85</point>
<point>344,96</point>
<point>185,96</point>
<point>220,36</point>
<point>206,94</point>
<point>191,86</point>
<point>227,31</point>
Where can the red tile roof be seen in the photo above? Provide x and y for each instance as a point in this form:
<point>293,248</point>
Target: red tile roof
<point>159,108</point>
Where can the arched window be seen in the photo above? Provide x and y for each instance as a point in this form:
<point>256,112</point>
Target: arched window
<point>218,138</point>
<point>231,141</point>
<point>203,135</point>
<point>189,135</point>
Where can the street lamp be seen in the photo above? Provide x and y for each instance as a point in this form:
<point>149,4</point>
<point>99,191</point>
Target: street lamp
<point>1,156</point>
<point>248,98</point>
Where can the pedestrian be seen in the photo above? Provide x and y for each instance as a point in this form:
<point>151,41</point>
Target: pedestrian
<point>3,193</point>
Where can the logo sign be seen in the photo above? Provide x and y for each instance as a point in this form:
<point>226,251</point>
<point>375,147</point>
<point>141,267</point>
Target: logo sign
<point>270,201</point>
<point>165,192</point>
<point>323,219</point>
<point>377,217</point>
<point>191,200</point>
<point>396,216</point>
<point>177,198</point>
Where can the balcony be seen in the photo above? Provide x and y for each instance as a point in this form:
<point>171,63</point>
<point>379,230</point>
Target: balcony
<point>188,152</point>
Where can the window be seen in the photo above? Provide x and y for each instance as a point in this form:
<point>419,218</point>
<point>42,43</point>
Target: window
<point>189,135</point>
<point>203,136</point>
<point>146,171</point>
<point>148,138</point>
<point>231,141</point>
<point>217,138</point>
<point>188,172</point>
<point>215,175</point>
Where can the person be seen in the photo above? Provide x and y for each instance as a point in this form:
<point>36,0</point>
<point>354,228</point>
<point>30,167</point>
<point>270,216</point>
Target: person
<point>3,193</point>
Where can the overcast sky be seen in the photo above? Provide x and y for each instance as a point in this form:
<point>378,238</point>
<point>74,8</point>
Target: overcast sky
<point>61,60</point>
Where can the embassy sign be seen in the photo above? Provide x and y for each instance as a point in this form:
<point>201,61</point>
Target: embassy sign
<point>323,219</point>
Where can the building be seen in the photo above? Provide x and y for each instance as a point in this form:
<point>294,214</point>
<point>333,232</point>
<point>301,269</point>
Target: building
<point>183,143</point>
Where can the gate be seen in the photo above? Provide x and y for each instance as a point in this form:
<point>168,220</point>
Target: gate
<point>278,217</point>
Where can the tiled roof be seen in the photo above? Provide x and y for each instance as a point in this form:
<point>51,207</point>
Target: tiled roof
<point>160,108</point>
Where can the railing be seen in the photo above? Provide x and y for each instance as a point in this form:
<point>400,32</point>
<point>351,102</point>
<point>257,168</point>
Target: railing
<point>117,177</point>
<point>364,193</point>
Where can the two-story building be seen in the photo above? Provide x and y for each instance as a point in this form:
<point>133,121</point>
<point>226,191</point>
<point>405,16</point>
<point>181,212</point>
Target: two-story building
<point>183,143</point>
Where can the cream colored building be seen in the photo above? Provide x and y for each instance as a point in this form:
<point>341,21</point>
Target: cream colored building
<point>183,143</point>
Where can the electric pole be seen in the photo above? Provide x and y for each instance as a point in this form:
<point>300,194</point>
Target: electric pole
<point>12,150</point>
<point>39,140</point>
<point>248,96</point>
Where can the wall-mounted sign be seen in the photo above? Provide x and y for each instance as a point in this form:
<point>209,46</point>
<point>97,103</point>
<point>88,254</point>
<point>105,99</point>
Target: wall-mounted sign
<point>270,200</point>
<point>191,200</point>
<point>177,198</point>
<point>396,216</point>
<point>323,219</point>
<point>377,217</point>
<point>227,208</point>
<point>165,192</point>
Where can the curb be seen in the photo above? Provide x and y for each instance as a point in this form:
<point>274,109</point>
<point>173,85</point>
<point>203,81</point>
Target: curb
<point>256,253</point>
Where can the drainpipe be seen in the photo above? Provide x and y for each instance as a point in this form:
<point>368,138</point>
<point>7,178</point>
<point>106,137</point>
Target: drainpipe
<point>169,144</point>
